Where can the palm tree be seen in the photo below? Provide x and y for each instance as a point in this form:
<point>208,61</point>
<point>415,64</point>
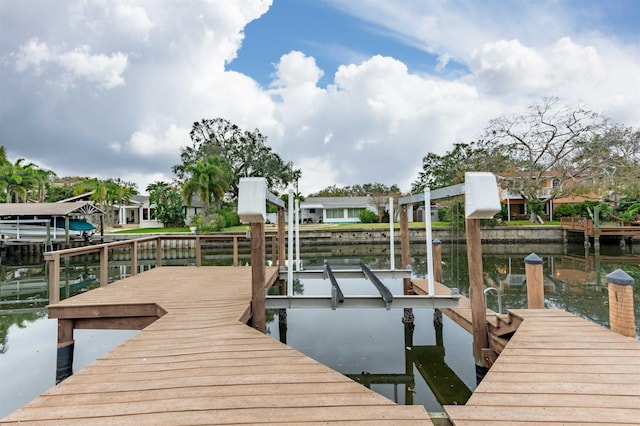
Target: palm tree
<point>16,179</point>
<point>42,178</point>
<point>210,179</point>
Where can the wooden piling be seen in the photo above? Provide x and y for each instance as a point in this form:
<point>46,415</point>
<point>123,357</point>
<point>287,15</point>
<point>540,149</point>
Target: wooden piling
<point>437,260</point>
<point>476,294</point>
<point>54,279</point>
<point>158,252</point>
<point>104,266</point>
<point>258,276</point>
<point>235,249</point>
<point>621,314</point>
<point>64,358</point>
<point>198,249</point>
<point>404,247</point>
<point>134,257</point>
<point>281,239</point>
<point>535,281</point>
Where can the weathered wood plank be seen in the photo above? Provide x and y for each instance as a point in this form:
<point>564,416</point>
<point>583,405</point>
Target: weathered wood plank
<point>547,415</point>
<point>198,364</point>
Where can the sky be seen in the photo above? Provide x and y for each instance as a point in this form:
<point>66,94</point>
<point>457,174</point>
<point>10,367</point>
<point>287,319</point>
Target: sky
<point>352,92</point>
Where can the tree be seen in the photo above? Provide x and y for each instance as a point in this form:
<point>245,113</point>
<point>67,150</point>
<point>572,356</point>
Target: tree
<point>16,179</point>
<point>246,153</point>
<point>439,171</point>
<point>358,190</point>
<point>548,140</point>
<point>106,194</point>
<point>209,179</point>
<point>619,175</point>
<point>168,203</point>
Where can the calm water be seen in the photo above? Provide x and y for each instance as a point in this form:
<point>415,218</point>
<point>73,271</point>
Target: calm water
<point>376,347</point>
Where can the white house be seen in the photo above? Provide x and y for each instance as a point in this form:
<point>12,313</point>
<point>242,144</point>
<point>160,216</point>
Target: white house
<point>335,209</point>
<point>137,213</point>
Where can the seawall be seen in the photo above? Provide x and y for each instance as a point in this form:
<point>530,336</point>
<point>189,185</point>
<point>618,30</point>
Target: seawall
<point>496,235</point>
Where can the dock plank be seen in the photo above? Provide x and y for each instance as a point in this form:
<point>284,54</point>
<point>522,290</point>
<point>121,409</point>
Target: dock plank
<point>197,364</point>
<point>558,369</point>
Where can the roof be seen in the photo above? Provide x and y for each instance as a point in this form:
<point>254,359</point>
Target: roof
<point>48,209</point>
<point>336,202</point>
<point>81,197</point>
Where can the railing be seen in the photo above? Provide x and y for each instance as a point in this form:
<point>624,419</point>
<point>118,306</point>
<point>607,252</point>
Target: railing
<point>53,258</point>
<point>576,223</point>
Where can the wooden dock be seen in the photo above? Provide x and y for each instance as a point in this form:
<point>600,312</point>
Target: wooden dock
<point>198,363</point>
<point>590,230</point>
<point>556,369</point>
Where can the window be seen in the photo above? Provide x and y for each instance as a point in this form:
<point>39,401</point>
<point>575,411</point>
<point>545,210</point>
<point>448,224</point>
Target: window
<point>335,213</point>
<point>355,212</point>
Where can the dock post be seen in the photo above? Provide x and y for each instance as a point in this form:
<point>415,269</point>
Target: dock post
<point>476,296</point>
<point>104,266</point>
<point>535,281</point>
<point>54,279</point>
<point>235,250</point>
<point>404,247</point>
<point>281,239</point>
<point>64,358</point>
<point>198,250</point>
<point>274,254</point>
<point>621,314</point>
<point>437,260</point>
<point>158,252</point>
<point>134,258</point>
<point>258,276</point>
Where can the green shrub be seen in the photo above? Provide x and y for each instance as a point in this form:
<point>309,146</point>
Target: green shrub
<point>564,210</point>
<point>367,216</point>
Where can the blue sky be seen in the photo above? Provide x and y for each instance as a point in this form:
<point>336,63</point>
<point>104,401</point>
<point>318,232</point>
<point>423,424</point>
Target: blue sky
<point>329,35</point>
<point>351,91</point>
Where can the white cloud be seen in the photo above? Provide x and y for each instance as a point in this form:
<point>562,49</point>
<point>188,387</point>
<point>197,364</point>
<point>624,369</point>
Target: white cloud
<point>318,173</point>
<point>33,54</point>
<point>134,20</point>
<point>508,66</point>
<point>102,69</point>
<point>78,63</point>
<point>168,144</point>
<point>372,122</point>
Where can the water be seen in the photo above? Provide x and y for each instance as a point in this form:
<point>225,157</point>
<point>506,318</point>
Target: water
<point>373,346</point>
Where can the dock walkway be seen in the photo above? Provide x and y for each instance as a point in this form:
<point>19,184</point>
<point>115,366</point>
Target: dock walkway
<point>556,369</point>
<point>199,364</point>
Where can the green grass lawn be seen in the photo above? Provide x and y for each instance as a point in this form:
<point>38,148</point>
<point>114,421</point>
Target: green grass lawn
<point>342,226</point>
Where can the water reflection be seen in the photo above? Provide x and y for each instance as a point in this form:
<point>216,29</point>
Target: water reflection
<point>369,345</point>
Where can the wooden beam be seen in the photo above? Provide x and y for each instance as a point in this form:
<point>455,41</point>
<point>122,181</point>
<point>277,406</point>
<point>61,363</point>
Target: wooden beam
<point>105,311</point>
<point>117,323</point>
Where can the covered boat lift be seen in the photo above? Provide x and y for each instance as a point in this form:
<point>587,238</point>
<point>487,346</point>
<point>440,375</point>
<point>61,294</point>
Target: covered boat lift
<point>22,221</point>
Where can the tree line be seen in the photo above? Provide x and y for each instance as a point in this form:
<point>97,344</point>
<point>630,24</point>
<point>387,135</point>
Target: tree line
<point>581,150</point>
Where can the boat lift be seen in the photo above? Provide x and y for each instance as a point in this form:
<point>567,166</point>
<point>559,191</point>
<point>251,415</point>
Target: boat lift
<point>337,298</point>
<point>251,206</point>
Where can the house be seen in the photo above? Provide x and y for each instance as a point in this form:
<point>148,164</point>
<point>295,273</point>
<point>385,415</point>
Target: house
<point>516,205</point>
<point>347,209</point>
<point>335,209</point>
<point>137,213</point>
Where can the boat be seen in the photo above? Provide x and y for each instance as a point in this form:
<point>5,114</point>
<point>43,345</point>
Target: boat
<point>39,229</point>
